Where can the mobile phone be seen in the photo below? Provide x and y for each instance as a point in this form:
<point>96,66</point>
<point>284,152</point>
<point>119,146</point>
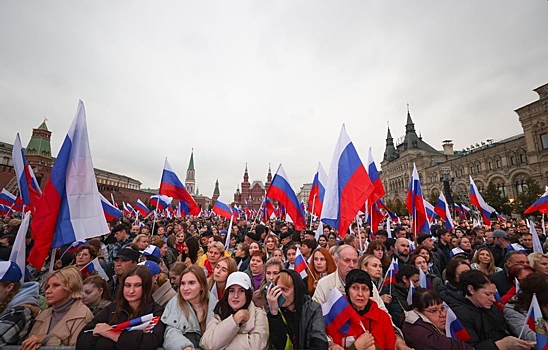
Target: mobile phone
<point>281,298</point>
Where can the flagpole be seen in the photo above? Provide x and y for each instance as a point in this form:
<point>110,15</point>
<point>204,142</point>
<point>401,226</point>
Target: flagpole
<point>154,222</point>
<point>527,316</point>
<point>312,210</point>
<point>258,211</point>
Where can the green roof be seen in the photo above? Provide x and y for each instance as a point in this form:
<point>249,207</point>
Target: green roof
<point>191,163</point>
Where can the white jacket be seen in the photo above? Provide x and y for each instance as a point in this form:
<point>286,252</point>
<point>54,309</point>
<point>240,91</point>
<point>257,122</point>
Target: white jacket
<point>227,335</point>
<point>179,329</point>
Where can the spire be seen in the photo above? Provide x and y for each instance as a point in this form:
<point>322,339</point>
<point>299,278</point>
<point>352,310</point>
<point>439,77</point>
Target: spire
<point>409,125</point>
<point>39,144</point>
<point>390,150</point>
<point>246,175</point>
<point>216,191</point>
<point>269,175</point>
<point>43,126</point>
<point>191,163</point>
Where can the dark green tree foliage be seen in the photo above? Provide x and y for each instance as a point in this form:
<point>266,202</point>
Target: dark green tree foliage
<point>493,197</point>
<point>531,192</point>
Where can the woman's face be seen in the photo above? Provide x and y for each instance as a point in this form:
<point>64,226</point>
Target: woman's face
<point>55,293</point>
<point>420,263</point>
<point>270,243</point>
<point>437,315</point>
<point>180,238</point>
<point>190,287</point>
<point>424,253</point>
<point>253,247</point>
<point>92,294</point>
<point>174,279</point>
<point>142,243</point>
<point>256,265</point>
<point>374,268</point>
<point>465,244</point>
<point>213,255</point>
<point>378,252</point>
<point>163,250</point>
<point>319,262</point>
<point>133,289</point>
<point>220,273</point>
<point>236,297</point>
<point>288,293</point>
<point>459,270</point>
<point>322,242</point>
<point>271,272</point>
<point>542,265</point>
<point>484,257</point>
<point>483,297</point>
<point>83,258</point>
<point>453,242</point>
<point>278,254</point>
<point>358,293</point>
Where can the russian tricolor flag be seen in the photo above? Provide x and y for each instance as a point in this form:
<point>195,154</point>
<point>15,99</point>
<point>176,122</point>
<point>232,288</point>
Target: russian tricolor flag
<point>348,186</point>
<point>128,209</point>
<point>378,188</point>
<point>453,327</point>
<point>430,213</point>
<point>415,204</point>
<point>300,264</point>
<point>94,268</point>
<point>142,208</point>
<point>390,277</point>
<point>70,208</point>
<point>171,186</point>
<point>461,212</point>
<point>340,317</point>
<point>268,209</point>
<point>476,199</point>
<point>29,190</point>
<point>540,205</point>
<point>7,198</point>
<point>137,324</point>
<point>536,322</point>
<point>110,211</point>
<point>442,209</point>
<point>159,201</point>
<point>317,191</point>
<point>222,209</point>
<point>281,191</point>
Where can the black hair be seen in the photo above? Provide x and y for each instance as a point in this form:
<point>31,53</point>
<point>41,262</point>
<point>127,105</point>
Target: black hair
<point>358,276</point>
<point>223,308</point>
<point>474,278</point>
<point>451,269</point>
<point>407,271</point>
<point>535,283</point>
<point>193,246</point>
<point>424,298</point>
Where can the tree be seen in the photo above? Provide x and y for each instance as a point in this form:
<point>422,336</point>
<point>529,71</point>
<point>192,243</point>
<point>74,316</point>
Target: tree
<point>397,207</point>
<point>530,193</point>
<point>493,197</point>
<point>433,197</point>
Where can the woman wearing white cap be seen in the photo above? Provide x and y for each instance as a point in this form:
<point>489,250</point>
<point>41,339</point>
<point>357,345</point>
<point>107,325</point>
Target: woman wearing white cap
<point>237,323</point>
<point>19,304</point>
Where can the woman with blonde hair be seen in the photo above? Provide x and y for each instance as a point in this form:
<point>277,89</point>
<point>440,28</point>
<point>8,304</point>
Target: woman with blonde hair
<point>539,262</point>
<point>60,324</point>
<point>215,251</point>
<point>271,242</point>
<point>484,261</point>
<point>186,315</point>
<point>216,283</point>
<point>141,240</point>
<point>271,268</point>
<point>321,265</point>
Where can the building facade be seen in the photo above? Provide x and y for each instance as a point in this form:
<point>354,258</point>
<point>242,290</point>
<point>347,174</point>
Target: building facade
<point>253,193</point>
<point>506,163</point>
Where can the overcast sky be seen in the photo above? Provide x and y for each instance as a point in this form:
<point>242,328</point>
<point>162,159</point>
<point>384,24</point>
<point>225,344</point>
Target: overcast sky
<point>265,81</point>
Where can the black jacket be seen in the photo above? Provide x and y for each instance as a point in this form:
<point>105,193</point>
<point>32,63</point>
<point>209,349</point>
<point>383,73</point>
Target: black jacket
<point>502,282</point>
<point>485,326</point>
<point>451,295</point>
<point>132,340</point>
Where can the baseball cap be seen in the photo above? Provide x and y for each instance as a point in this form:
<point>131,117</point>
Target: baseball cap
<point>239,278</point>
<point>499,234</point>
<point>128,254</point>
<point>10,271</point>
<point>151,266</point>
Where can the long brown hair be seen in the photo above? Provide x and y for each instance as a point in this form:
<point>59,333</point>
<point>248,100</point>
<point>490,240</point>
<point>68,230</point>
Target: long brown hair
<point>490,267</point>
<point>146,286</point>
<point>204,294</point>
<point>11,294</point>
<point>313,274</point>
<point>231,265</point>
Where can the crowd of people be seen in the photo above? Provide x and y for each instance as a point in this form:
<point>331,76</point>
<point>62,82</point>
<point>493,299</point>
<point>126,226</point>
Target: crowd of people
<point>194,285</point>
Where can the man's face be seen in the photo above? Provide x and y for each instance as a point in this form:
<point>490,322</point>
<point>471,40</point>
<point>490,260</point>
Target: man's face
<point>348,260</point>
<point>284,229</point>
<point>527,241</point>
<point>135,229</point>
<point>510,231</point>
<point>121,266</point>
<point>121,235</point>
<point>401,234</point>
<point>161,231</point>
<point>428,243</point>
<point>305,250</point>
<point>446,237</point>
<point>517,259</point>
<point>402,247</point>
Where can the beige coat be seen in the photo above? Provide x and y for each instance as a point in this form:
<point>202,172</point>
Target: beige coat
<point>67,330</point>
<point>227,335</point>
<point>164,294</point>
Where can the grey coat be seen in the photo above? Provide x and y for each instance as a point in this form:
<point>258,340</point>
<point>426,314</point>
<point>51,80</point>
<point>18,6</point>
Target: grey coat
<point>516,321</point>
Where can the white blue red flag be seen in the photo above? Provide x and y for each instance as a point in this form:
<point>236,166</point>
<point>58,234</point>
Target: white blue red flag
<point>113,201</point>
<point>18,251</point>
<point>281,191</point>
<point>128,209</point>
<point>7,198</point>
<point>110,211</point>
<point>430,213</point>
<point>137,324</point>
<point>540,205</point>
<point>300,264</point>
<point>378,188</point>
<point>317,191</point>
<point>340,317</point>
<point>141,208</point>
<point>460,211</point>
<point>415,204</point>
<point>222,209</point>
<point>453,327</point>
<point>476,199</point>
<point>536,322</point>
<point>93,268</point>
<point>537,245</point>
<point>159,201</point>
<point>444,212</point>
<point>171,186</point>
<point>424,282</point>
<point>70,209</point>
<point>29,190</point>
<point>348,186</point>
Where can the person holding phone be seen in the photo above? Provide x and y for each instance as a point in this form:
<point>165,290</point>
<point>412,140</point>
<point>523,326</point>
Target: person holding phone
<point>295,321</point>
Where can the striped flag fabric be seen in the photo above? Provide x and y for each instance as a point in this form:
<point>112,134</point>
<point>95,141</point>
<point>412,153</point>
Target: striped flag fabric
<point>94,268</point>
<point>300,264</point>
<point>453,327</point>
<point>137,324</point>
<point>536,322</point>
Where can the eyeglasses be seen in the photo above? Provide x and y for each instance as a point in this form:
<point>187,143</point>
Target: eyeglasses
<point>439,311</point>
